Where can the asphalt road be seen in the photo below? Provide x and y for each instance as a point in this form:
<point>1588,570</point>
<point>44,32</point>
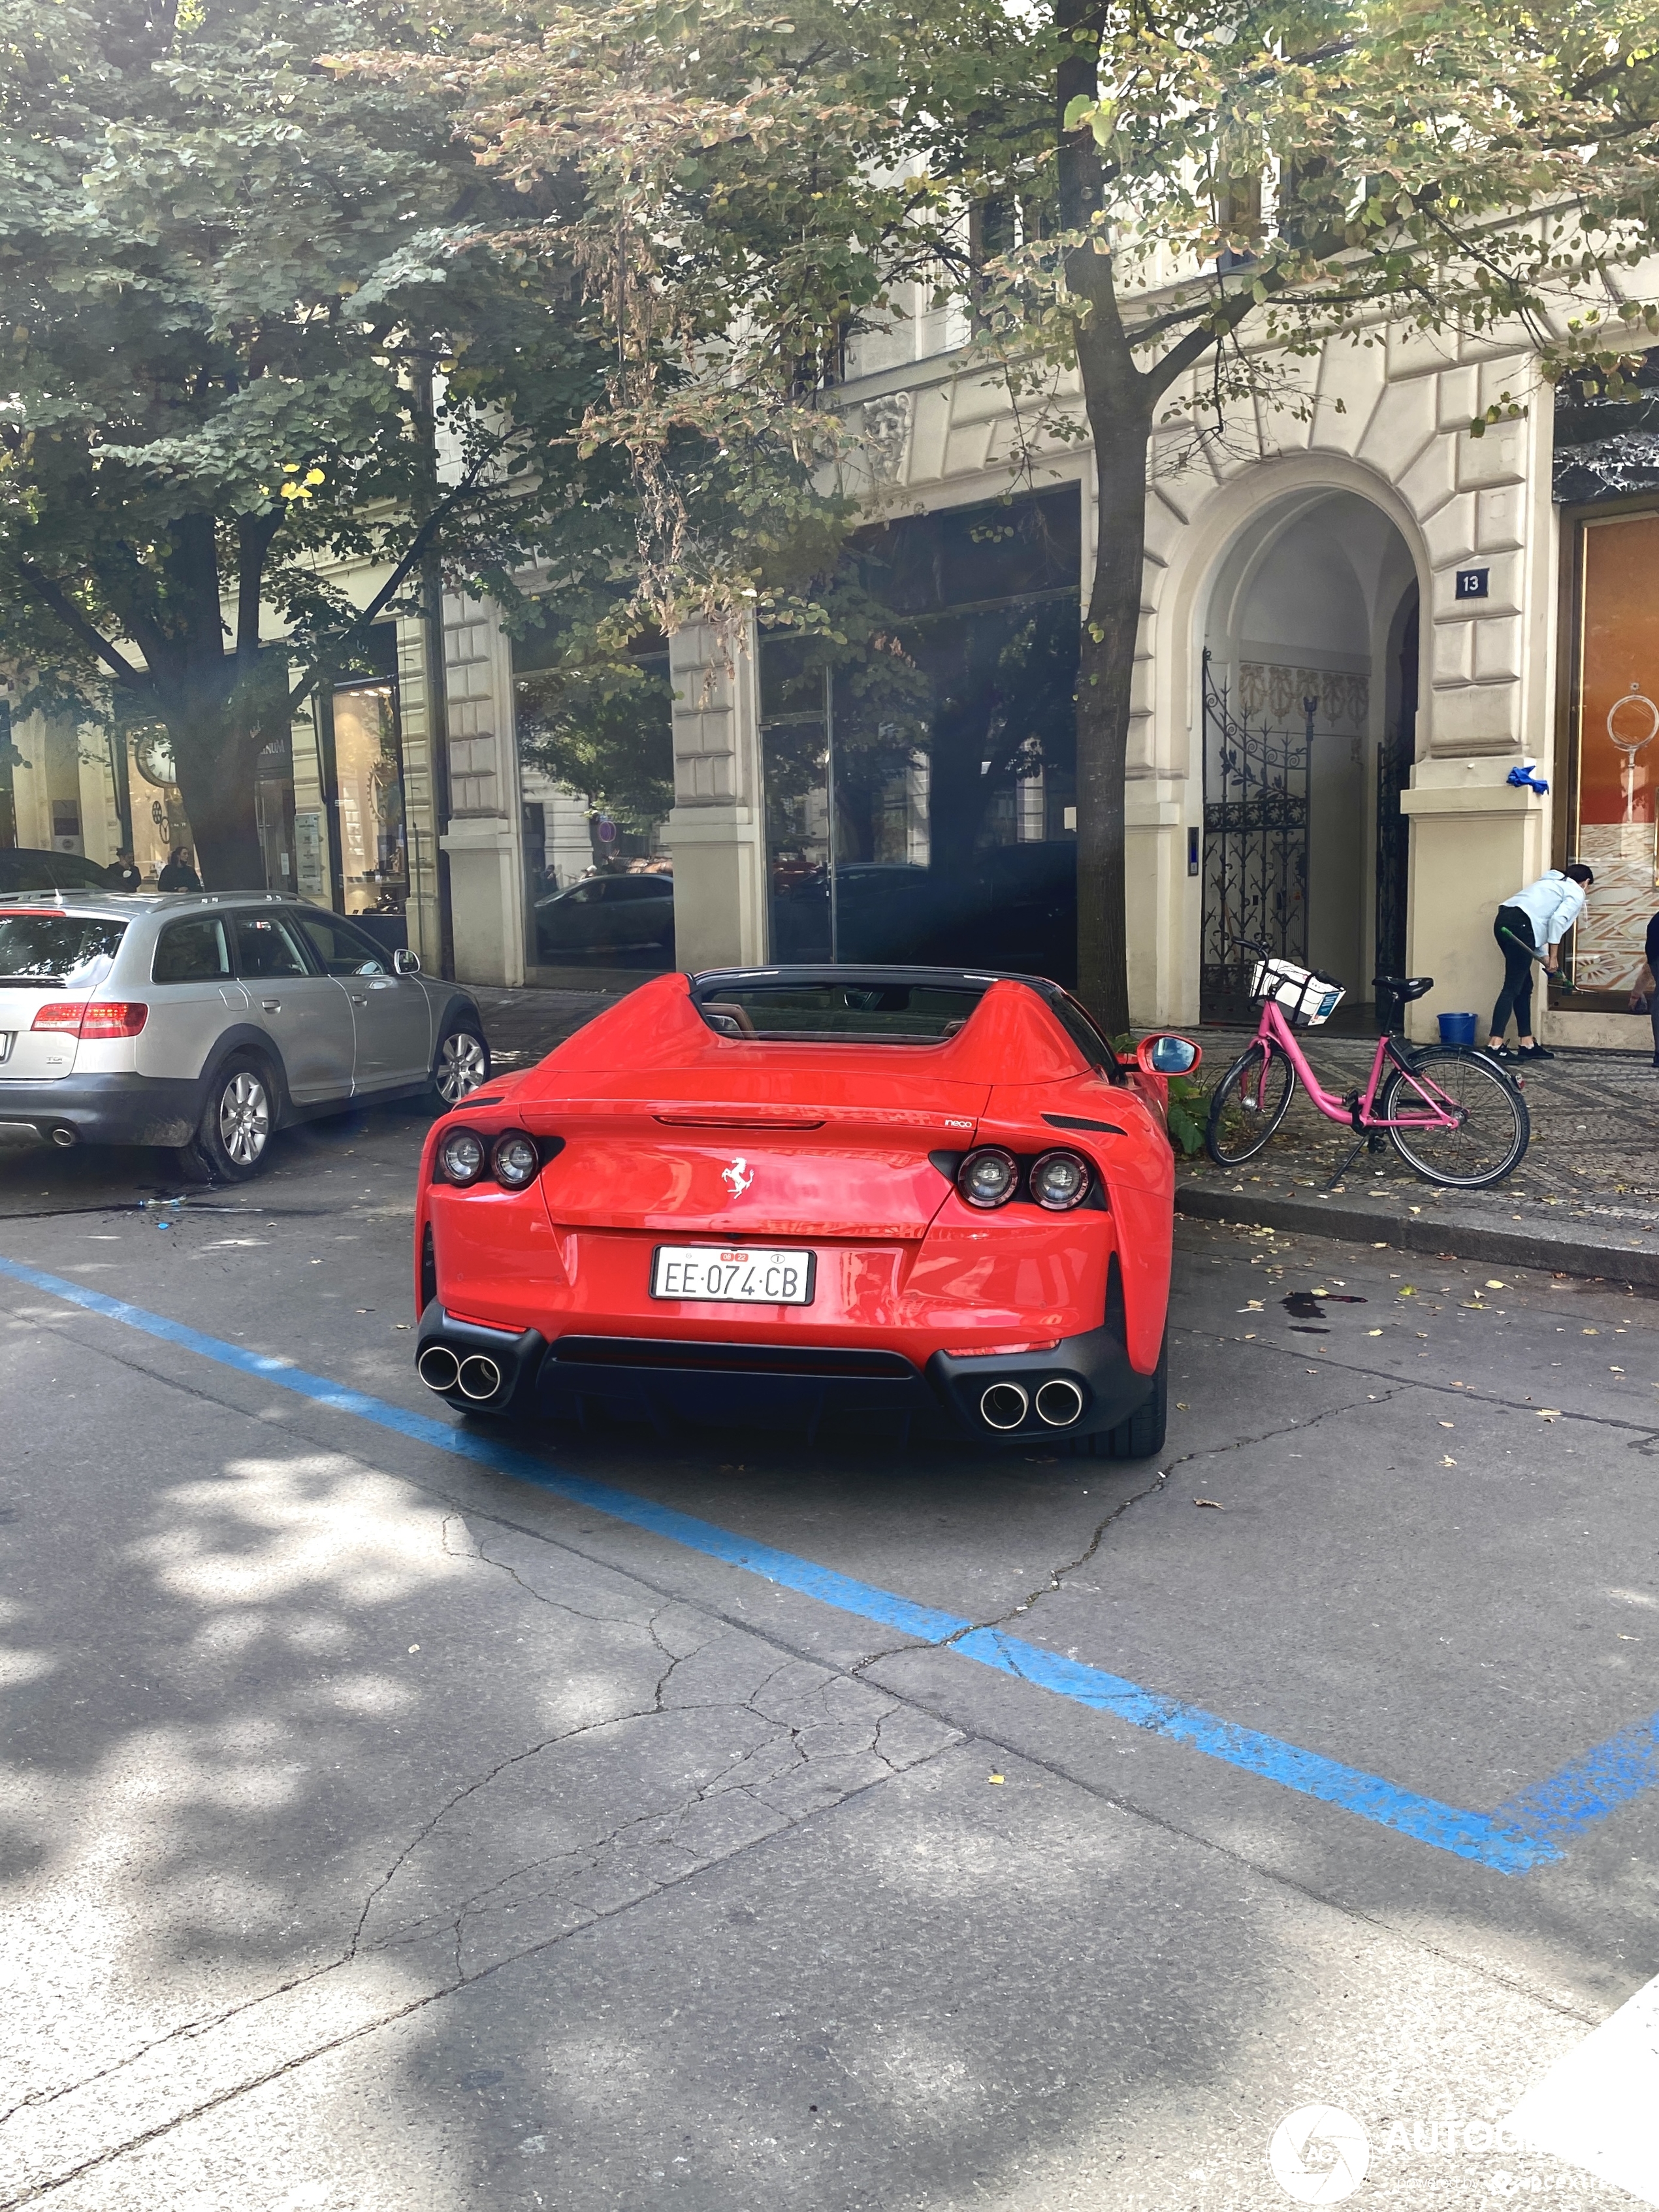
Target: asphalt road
<point>391,1830</point>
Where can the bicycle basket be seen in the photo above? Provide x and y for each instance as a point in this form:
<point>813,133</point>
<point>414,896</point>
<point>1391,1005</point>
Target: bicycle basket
<point>1305,999</point>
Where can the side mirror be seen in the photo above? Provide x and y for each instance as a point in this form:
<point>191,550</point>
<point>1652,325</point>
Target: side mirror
<point>1165,1053</point>
<point>405,962</point>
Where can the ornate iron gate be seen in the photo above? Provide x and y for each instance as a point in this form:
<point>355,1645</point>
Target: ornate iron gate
<point>1256,847</point>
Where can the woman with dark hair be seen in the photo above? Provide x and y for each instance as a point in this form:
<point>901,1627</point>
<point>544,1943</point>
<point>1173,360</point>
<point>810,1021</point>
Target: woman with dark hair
<point>178,875</point>
<point>1534,921</point>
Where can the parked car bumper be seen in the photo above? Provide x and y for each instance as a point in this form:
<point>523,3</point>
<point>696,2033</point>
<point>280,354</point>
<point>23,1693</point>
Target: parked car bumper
<point>105,1110</point>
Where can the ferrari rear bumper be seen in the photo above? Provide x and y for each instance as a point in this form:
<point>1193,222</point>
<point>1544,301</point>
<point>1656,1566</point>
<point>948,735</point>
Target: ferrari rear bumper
<point>1083,1385</point>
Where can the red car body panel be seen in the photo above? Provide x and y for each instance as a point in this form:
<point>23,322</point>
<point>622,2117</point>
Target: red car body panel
<point>670,1133</point>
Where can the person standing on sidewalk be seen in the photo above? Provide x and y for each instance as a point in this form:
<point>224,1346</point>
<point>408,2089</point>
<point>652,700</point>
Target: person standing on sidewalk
<point>1534,921</point>
<point>1646,996</point>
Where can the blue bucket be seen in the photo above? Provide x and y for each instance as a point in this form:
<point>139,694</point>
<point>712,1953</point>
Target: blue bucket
<point>1457,1029</point>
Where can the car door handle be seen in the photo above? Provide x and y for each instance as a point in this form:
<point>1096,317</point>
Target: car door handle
<point>272,1006</point>
<point>358,999</point>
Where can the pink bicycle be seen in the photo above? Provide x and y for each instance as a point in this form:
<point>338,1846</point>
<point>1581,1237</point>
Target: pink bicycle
<point>1451,1113</point>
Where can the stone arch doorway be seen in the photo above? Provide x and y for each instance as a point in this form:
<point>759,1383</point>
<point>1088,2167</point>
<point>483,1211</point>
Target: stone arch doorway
<point>1310,693</point>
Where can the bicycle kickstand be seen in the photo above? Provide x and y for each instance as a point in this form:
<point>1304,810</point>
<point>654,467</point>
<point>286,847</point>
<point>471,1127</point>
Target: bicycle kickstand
<point>1349,1162</point>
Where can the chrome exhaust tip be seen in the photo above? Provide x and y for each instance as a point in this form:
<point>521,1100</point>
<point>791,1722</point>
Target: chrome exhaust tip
<point>478,1377</point>
<point>438,1367</point>
<point>1003,1406</point>
<point>65,1136</point>
<point>1058,1403</point>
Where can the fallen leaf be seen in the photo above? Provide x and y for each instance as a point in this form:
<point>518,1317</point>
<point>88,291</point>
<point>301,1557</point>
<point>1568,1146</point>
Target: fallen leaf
<point>1215,1503</point>
<point>1590,1332</point>
<point>1449,1462</point>
<point>999,1778</point>
<point>1493,1284</point>
<point>414,1647</point>
<point>402,1324</point>
<point>1449,1425</point>
<point>1549,1413</point>
<point>1373,1332</point>
<point>1406,1290</point>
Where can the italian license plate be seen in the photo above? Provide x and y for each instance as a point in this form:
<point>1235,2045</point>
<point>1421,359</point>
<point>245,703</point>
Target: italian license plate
<point>732,1275</point>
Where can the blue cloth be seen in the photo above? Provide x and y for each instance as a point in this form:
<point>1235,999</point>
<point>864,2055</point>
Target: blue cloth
<point>1552,904</point>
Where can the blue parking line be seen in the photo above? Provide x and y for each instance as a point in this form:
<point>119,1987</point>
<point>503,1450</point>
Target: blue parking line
<point>1525,1831</point>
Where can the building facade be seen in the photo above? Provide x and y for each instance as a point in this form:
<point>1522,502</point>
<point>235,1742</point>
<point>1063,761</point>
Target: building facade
<point>1359,621</point>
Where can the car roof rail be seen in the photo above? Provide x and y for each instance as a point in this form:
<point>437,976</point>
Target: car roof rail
<point>46,891</point>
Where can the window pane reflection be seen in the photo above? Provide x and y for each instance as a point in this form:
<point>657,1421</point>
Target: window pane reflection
<point>369,782</point>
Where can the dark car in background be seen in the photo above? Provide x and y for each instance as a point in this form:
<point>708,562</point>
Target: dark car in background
<point>23,868</point>
<point>608,914</point>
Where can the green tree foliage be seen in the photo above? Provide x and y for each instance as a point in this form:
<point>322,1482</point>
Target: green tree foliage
<point>228,274</point>
<point>1175,203</point>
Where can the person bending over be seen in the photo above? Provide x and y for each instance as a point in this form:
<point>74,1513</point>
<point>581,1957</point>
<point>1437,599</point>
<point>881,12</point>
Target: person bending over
<point>1534,921</point>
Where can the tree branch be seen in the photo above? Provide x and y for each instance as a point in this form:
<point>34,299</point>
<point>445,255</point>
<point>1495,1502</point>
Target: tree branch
<point>53,597</point>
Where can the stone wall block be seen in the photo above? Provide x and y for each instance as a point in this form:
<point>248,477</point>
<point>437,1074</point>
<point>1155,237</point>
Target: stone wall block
<point>928,432</point>
<point>1498,518</point>
<point>1430,480</point>
<point>1351,383</point>
<point>1401,425</point>
<point>968,448</point>
<point>1419,353</point>
<point>1500,458</point>
<point>1448,533</point>
<point>1457,397</point>
<point>1503,586</point>
<point>1453,660</point>
<point>1475,718</point>
<point>1499,648</point>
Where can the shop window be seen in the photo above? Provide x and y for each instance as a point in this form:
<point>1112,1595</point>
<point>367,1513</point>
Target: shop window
<point>1612,746</point>
<point>368,788</point>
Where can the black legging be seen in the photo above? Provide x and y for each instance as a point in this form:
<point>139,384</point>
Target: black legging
<point>1516,994</point>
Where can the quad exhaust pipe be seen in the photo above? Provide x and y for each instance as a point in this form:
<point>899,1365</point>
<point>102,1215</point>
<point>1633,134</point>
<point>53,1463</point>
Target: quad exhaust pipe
<point>476,1377</point>
<point>1004,1406</point>
<point>1058,1403</point>
<point>438,1367</point>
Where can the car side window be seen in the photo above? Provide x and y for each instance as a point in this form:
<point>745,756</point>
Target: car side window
<point>1083,1033</point>
<point>340,950</point>
<point>193,951</point>
<point>264,948</point>
<point>636,887</point>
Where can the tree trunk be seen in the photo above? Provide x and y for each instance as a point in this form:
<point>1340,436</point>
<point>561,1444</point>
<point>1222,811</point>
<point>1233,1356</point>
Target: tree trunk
<point>1105,677</point>
<point>216,759</point>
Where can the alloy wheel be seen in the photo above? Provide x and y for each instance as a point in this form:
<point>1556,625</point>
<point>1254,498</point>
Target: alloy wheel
<point>462,1065</point>
<point>244,1118</point>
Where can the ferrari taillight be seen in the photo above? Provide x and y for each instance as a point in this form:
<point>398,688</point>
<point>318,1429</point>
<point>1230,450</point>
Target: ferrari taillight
<point>95,1017</point>
<point>1061,1180</point>
<point>990,1177</point>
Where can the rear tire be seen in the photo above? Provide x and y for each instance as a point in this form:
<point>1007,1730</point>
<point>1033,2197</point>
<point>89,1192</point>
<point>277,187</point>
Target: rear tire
<point>1492,1142</point>
<point>238,1116</point>
<point>461,1064</point>
<point>1144,1433</point>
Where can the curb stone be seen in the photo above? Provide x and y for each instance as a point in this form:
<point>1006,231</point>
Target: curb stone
<point>1464,1239</point>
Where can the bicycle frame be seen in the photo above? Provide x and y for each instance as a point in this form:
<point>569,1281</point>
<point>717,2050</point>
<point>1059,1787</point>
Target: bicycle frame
<point>1274,1031</point>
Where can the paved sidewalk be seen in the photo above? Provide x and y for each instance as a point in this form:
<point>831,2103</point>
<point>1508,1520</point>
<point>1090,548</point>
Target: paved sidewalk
<point>1585,1199</point>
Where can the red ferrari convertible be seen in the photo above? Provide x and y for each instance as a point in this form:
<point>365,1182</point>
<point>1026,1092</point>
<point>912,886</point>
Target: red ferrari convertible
<point>805,1194</point>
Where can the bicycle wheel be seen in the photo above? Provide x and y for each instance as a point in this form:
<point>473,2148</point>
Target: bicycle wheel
<point>1493,1129</point>
<point>1250,1101</point>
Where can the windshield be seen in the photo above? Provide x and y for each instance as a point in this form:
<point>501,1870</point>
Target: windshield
<point>840,1014</point>
<point>64,950</point>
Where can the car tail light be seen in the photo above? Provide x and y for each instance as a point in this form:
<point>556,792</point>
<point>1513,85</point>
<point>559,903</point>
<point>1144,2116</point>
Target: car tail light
<point>1061,1180</point>
<point>94,1017</point>
<point>461,1156</point>
<point>993,1350</point>
<point>516,1160</point>
<point>988,1177</point>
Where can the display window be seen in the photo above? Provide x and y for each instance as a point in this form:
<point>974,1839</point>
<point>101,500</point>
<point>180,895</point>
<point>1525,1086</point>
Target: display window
<point>1612,734</point>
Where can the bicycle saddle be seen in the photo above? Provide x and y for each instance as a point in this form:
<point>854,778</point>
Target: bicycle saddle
<point>1402,987</point>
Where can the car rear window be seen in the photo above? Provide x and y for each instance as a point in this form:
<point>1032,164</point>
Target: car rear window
<point>63,949</point>
<point>840,1014</point>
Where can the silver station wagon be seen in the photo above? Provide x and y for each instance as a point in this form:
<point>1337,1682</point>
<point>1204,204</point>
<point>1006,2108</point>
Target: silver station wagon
<point>203,1022</point>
